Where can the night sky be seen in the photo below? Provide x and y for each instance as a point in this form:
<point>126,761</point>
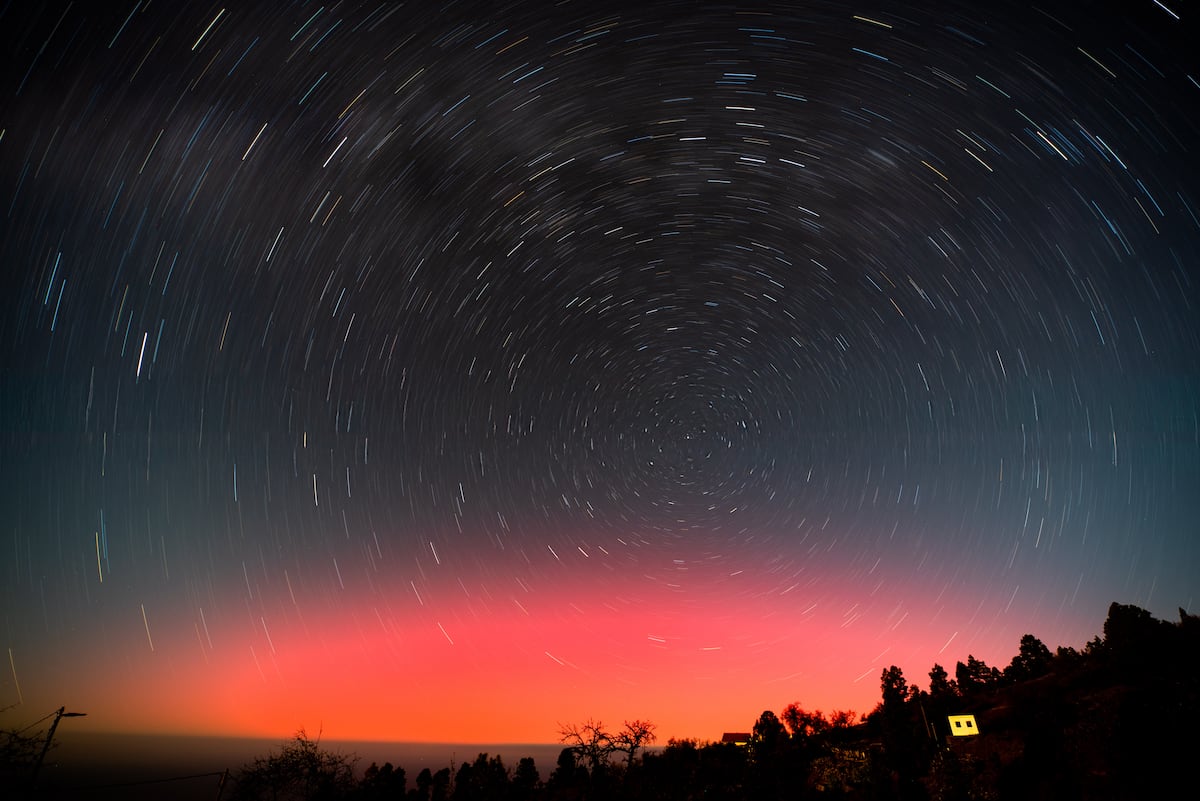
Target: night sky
<point>451,371</point>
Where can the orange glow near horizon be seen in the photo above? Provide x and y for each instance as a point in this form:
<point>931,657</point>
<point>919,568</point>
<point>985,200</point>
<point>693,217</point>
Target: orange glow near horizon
<point>694,666</point>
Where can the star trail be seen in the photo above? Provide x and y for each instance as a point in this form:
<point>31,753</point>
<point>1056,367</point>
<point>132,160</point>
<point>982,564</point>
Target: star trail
<point>444,371</point>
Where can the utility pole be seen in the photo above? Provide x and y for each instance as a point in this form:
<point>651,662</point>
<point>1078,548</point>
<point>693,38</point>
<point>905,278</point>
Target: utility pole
<point>59,715</point>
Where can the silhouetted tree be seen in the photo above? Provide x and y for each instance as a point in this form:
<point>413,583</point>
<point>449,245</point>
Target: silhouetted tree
<point>525,780</point>
<point>569,777</point>
<point>672,773</point>
<point>768,734</point>
<point>439,787</point>
<point>905,742</point>
<point>1067,658</point>
<point>1133,640</point>
<point>722,771</point>
<point>940,701</point>
<point>589,742</point>
<point>301,770</point>
<point>894,687</point>
<point>636,735</point>
<point>842,719</point>
<point>940,685</point>
<point>768,753</point>
<point>19,751</point>
<point>424,783</point>
<point>1032,660</point>
<point>482,780</point>
<point>975,676</point>
<point>1126,626</point>
<point>1189,624</point>
<point>803,724</point>
<point>379,783</point>
<point>464,784</point>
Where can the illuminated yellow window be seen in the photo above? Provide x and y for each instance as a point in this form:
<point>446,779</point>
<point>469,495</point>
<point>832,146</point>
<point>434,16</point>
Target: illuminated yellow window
<point>963,725</point>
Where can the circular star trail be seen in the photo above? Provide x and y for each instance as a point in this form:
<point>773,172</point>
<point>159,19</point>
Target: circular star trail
<point>613,355</point>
